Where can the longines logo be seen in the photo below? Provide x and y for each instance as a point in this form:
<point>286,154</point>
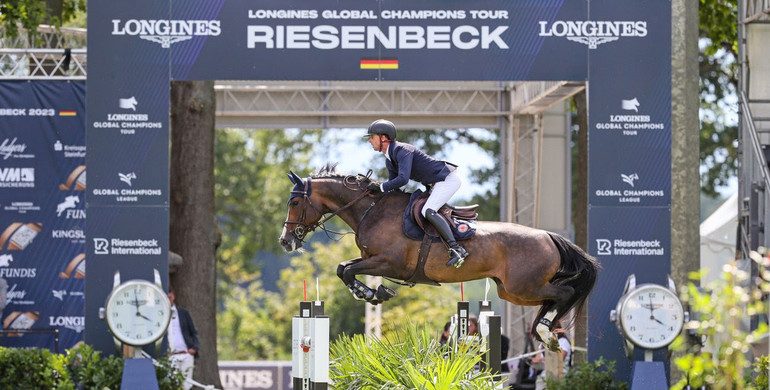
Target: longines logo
<point>166,32</point>
<point>592,32</point>
<point>76,323</point>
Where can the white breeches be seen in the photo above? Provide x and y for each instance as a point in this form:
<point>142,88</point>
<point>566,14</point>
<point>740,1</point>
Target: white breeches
<point>442,192</point>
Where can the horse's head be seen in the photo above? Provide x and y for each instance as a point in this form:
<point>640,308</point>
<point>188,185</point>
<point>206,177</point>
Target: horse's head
<point>302,217</point>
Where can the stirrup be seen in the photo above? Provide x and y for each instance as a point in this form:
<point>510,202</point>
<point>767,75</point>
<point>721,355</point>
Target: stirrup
<point>456,258</point>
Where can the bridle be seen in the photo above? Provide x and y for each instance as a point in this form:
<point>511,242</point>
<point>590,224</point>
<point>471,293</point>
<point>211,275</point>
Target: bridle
<point>302,229</point>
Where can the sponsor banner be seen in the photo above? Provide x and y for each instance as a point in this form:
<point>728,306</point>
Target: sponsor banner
<point>42,183</point>
<point>127,128</point>
<point>354,40</point>
<point>630,118</point>
<point>629,167</point>
<point>626,240</point>
<point>129,145</point>
<point>132,240</point>
<point>255,375</point>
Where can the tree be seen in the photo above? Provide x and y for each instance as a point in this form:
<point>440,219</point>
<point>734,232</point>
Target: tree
<point>718,76</point>
<point>32,13</point>
<point>193,233</point>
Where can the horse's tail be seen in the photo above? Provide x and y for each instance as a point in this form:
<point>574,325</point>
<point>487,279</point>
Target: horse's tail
<point>578,270</point>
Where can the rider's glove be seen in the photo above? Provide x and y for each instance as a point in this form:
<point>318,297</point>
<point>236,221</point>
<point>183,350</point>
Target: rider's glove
<point>374,187</point>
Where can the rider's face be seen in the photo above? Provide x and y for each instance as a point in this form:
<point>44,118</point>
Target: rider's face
<point>375,141</point>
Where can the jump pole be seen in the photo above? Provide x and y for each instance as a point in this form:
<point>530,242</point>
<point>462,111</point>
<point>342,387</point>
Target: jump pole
<point>310,346</point>
<point>489,329</point>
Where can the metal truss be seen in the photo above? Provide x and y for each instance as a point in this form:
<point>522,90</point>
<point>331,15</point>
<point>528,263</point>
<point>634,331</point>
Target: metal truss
<point>754,124</point>
<point>50,54</point>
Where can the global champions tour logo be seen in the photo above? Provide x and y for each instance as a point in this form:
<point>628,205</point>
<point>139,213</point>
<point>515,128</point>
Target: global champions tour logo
<point>166,32</point>
<point>593,33</point>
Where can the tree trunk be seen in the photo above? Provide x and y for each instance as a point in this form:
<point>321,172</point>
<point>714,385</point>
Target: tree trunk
<point>580,211</point>
<point>193,232</point>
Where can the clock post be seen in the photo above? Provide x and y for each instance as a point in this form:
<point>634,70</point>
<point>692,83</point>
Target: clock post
<point>137,313</point>
<point>649,316</point>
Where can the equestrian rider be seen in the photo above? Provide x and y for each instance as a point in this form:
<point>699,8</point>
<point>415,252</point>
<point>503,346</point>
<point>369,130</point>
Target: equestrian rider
<point>405,162</point>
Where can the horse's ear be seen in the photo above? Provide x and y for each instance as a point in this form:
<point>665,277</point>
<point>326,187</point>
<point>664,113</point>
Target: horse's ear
<point>294,178</point>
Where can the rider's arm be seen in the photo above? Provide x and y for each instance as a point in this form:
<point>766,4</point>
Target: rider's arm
<point>404,158</point>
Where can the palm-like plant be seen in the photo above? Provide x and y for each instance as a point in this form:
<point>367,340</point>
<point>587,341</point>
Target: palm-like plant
<point>409,358</point>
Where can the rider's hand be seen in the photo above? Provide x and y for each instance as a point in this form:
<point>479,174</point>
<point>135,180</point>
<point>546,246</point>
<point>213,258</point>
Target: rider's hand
<point>374,187</point>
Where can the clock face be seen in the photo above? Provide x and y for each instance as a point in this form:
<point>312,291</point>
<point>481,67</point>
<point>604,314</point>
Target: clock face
<point>138,312</point>
<point>651,316</point>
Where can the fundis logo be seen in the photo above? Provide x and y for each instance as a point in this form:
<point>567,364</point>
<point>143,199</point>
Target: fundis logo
<point>592,33</point>
<point>166,32</point>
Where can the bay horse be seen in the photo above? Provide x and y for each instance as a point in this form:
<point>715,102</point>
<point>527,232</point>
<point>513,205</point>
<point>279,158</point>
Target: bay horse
<point>529,266</point>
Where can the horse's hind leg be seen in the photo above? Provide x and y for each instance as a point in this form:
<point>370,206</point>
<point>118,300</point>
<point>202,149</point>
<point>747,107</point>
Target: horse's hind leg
<point>553,299</point>
<point>551,311</point>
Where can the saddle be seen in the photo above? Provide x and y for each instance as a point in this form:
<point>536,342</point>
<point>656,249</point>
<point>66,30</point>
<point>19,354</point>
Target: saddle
<point>462,219</point>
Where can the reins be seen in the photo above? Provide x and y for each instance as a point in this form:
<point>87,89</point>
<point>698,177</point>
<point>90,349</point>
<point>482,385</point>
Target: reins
<point>301,230</point>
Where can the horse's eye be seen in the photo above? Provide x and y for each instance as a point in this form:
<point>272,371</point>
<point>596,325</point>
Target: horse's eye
<point>294,203</point>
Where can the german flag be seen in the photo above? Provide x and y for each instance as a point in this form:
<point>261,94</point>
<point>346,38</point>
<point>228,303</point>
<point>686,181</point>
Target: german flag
<point>379,63</point>
<point>68,113</point>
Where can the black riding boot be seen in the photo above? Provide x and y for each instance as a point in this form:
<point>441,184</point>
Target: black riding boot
<point>457,253</point>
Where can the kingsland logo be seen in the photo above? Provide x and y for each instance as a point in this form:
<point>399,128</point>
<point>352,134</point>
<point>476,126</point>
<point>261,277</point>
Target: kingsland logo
<point>593,33</point>
<point>166,32</point>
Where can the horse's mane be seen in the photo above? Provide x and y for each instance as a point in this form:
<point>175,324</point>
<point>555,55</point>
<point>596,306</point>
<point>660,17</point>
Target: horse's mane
<point>329,170</point>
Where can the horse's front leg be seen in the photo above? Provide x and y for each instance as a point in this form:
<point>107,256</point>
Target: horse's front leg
<point>359,290</point>
<point>348,270</point>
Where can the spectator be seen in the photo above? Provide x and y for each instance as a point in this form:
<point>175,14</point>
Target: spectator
<point>182,340</point>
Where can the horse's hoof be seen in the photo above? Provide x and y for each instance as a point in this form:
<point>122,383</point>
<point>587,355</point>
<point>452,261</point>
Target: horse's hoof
<point>553,344</point>
<point>384,293</point>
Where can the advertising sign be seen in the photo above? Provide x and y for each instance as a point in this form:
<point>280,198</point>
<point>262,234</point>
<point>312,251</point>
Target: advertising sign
<point>42,212</point>
<point>629,165</point>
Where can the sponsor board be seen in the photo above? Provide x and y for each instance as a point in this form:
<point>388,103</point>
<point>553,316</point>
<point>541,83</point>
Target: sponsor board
<point>21,207</point>
<point>127,123</point>
<point>128,194</point>
<point>134,247</point>
<point>255,375</point>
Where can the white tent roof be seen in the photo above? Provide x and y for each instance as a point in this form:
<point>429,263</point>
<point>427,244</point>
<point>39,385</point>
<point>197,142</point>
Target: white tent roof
<point>717,238</point>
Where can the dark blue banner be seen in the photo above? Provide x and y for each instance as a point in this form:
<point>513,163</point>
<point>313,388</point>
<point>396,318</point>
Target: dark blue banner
<point>42,199</point>
<point>128,141</point>
<point>355,40</point>
<point>629,166</point>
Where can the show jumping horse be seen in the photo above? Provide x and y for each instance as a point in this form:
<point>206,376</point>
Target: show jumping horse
<point>530,266</point>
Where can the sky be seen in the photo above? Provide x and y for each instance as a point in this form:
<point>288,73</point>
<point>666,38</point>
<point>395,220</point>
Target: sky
<point>354,154</point>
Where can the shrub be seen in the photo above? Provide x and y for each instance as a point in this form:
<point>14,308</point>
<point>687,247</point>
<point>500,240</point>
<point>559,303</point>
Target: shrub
<point>717,358</point>
<point>32,369</point>
<point>599,375</point>
<point>409,358</point>
<point>80,368</point>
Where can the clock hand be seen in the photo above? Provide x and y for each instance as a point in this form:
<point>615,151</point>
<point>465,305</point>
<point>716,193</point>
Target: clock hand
<point>657,320</point>
<point>138,314</point>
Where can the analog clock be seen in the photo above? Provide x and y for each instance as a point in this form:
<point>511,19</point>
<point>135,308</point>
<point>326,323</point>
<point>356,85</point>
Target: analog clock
<point>649,316</point>
<point>137,311</point>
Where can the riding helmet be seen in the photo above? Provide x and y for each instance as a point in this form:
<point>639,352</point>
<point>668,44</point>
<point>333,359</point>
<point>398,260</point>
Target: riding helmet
<point>382,126</point>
